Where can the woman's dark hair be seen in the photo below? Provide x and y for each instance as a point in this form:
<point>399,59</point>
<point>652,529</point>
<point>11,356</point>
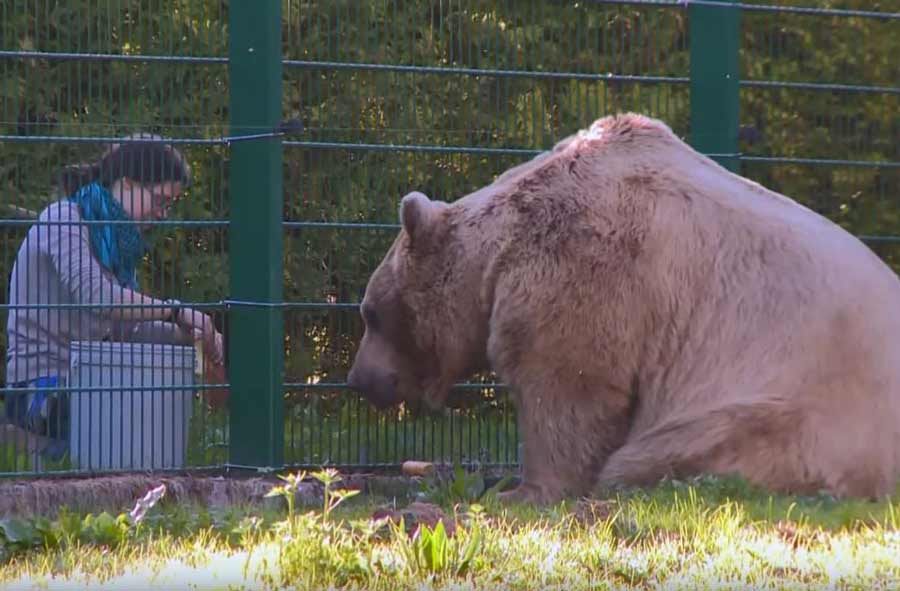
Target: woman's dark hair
<point>149,162</point>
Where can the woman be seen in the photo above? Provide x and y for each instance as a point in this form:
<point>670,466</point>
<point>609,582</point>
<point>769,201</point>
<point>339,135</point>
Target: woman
<point>87,268</point>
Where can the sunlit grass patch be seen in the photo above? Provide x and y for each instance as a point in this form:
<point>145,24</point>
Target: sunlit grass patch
<point>709,533</point>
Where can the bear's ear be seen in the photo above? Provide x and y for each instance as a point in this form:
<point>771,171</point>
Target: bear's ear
<point>418,214</point>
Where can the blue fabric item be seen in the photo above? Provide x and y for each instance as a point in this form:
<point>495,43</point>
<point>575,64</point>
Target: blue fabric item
<point>118,247</point>
<point>39,398</point>
<point>45,413</point>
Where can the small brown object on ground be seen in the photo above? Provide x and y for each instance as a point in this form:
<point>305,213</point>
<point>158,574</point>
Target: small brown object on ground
<point>590,511</point>
<point>416,468</point>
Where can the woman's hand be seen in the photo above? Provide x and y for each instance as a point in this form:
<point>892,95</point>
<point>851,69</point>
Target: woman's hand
<point>201,325</point>
<point>216,376</point>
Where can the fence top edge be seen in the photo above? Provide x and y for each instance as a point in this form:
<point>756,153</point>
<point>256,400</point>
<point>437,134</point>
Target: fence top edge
<point>682,4</point>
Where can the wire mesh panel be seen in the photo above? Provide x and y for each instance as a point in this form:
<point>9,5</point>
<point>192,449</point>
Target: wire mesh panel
<point>86,386</point>
<point>820,109</point>
<point>438,97</point>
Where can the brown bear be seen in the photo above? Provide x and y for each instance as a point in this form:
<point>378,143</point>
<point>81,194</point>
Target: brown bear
<point>654,315</point>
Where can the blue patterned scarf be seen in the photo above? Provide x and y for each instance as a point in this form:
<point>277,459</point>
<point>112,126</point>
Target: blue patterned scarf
<point>119,247</point>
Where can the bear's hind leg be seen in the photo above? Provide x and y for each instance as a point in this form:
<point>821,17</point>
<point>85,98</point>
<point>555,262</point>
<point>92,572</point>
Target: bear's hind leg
<point>759,441</point>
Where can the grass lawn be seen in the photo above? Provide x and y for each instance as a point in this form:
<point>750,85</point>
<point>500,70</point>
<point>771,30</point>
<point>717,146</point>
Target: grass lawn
<point>710,533</point>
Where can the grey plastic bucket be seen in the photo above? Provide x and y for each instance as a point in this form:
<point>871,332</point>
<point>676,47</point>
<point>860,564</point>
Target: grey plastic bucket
<point>134,410</point>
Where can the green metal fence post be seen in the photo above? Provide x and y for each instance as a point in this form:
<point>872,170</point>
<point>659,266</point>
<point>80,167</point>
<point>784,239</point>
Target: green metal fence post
<point>256,239</point>
<point>715,78</point>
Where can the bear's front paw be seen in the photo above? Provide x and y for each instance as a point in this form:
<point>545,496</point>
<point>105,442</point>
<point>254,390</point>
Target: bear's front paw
<point>528,493</point>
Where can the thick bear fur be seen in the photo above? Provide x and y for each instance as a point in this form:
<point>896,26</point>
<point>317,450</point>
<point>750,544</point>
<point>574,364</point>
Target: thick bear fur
<point>655,316</point>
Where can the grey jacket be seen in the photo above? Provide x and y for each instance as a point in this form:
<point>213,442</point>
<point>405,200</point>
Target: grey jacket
<point>55,265</point>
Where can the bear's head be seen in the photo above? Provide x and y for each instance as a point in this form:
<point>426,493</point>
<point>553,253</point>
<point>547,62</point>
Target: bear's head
<point>420,332</point>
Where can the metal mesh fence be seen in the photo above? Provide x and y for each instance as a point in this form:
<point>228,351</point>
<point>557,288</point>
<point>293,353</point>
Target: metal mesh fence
<point>439,97</point>
<point>74,78</point>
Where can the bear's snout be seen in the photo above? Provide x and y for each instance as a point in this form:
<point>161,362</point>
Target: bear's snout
<point>378,387</point>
